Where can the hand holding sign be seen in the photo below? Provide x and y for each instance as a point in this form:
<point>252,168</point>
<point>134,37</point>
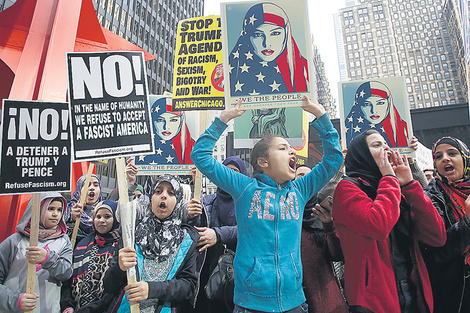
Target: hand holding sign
<point>76,211</point>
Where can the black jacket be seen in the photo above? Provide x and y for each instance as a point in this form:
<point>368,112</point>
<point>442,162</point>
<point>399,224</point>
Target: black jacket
<point>176,291</point>
<point>446,265</point>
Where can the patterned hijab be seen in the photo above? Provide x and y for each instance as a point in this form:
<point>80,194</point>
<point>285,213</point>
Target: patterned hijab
<point>86,218</point>
<point>393,128</point>
<point>456,191</point>
<point>157,238</point>
<point>288,71</point>
<point>464,152</point>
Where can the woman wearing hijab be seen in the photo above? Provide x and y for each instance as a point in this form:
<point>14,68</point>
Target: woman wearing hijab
<point>448,266</point>
<point>267,55</point>
<point>75,210</point>
<point>381,214</point>
<point>217,228</point>
<point>165,255</point>
<point>374,109</point>
<point>52,255</point>
<point>92,257</point>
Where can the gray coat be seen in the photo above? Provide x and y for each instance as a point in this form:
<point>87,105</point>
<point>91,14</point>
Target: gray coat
<point>49,276</point>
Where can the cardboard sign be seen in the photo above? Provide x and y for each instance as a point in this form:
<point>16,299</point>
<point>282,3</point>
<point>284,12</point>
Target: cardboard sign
<point>35,147</point>
<point>267,53</point>
<point>380,104</point>
<point>198,78</point>
<point>109,108</point>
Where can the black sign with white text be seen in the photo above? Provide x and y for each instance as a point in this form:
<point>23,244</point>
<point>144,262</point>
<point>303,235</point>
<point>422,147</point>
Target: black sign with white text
<point>35,147</point>
<point>108,98</point>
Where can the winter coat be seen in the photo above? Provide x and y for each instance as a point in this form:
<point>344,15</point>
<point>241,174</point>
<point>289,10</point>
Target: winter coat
<point>168,293</point>
<point>446,265</point>
<point>267,265</point>
<point>364,227</point>
<point>56,269</point>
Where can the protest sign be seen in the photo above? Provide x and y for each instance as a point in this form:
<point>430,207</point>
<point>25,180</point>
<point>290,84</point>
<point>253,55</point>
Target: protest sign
<point>174,139</point>
<point>251,126</point>
<point>267,53</point>
<point>108,104</point>
<point>423,156</point>
<point>198,79</point>
<point>380,104</point>
<point>35,147</point>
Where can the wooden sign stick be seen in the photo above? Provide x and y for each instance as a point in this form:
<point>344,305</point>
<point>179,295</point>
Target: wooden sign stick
<point>83,194</point>
<point>124,199</point>
<point>198,178</point>
<point>33,242</point>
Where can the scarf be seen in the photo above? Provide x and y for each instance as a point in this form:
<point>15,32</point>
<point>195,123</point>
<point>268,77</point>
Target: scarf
<point>159,239</point>
<point>92,257</point>
<point>456,191</point>
<point>86,218</point>
<point>359,162</point>
<point>48,233</point>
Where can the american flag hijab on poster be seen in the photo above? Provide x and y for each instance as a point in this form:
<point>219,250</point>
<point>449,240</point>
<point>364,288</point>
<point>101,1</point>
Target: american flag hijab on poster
<point>173,142</point>
<point>266,59</point>
<point>374,109</point>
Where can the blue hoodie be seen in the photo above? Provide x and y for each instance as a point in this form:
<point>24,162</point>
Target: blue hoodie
<point>268,269</point>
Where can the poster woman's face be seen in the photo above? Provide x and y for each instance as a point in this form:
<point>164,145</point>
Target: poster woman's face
<point>268,41</point>
<point>168,125</point>
<point>375,109</point>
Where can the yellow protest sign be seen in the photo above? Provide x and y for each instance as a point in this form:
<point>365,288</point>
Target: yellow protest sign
<point>198,79</point>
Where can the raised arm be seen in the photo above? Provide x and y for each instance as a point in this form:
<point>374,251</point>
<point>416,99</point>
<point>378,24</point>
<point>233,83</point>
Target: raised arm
<point>201,155</point>
<point>311,183</point>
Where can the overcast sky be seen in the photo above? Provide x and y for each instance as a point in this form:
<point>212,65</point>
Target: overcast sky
<point>322,28</point>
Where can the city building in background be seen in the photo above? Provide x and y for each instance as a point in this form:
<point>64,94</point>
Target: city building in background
<point>420,40</point>
<point>384,38</point>
<point>323,91</point>
<point>456,14</point>
<point>151,25</point>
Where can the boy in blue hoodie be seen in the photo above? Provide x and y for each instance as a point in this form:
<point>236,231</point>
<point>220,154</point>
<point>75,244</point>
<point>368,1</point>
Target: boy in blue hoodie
<point>269,209</point>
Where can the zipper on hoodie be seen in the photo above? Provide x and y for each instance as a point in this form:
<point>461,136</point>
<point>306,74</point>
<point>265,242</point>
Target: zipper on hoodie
<point>276,255</point>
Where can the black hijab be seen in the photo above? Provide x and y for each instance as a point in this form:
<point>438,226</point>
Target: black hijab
<point>224,201</point>
<point>359,162</point>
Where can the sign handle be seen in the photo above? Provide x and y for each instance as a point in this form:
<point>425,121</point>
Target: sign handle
<point>198,178</point>
<point>83,194</point>
<point>124,199</point>
<point>33,242</point>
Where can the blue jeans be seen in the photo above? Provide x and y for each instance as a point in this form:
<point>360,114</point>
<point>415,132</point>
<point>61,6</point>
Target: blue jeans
<point>303,308</point>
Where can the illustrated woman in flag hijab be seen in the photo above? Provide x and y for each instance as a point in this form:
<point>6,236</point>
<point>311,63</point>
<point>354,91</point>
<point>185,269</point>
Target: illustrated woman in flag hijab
<point>266,59</point>
<point>374,109</point>
<point>173,142</point>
